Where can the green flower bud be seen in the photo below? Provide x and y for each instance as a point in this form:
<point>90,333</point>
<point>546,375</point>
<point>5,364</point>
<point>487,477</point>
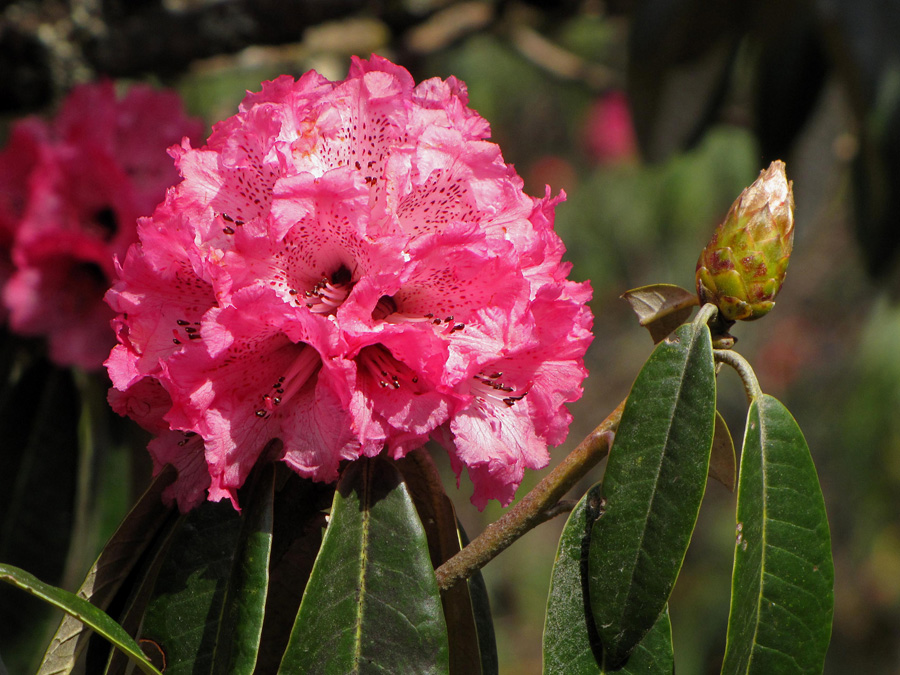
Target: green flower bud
<point>743,266</point>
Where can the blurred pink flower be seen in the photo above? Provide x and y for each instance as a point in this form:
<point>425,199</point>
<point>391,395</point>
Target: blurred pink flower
<point>348,267</point>
<point>608,131</point>
<point>71,191</point>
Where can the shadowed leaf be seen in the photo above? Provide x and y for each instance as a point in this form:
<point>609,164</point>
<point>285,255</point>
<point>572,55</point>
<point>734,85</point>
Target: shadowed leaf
<point>721,460</point>
<point>114,564</point>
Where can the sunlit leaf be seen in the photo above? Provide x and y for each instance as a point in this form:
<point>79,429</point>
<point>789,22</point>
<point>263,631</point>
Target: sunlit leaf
<point>782,596</point>
<point>372,602</point>
<point>84,611</point>
<point>571,643</point>
<point>661,308</point>
<point>654,482</point>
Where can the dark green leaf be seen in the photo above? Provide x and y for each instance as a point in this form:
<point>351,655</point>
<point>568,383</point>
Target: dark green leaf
<point>183,615</point>
<point>782,595</point>
<point>661,308</point>
<point>372,602</point>
<point>38,469</point>
<point>70,603</point>
<point>238,640</point>
<point>680,58</point>
<point>654,482</point>
<point>300,519</point>
<point>439,520</point>
<point>116,561</point>
<point>571,643</point>
<point>484,622</point>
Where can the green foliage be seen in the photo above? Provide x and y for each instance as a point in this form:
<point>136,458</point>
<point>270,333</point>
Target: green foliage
<point>652,489</point>
<point>372,603</point>
<point>81,609</point>
<point>782,598</point>
<point>571,643</point>
<point>137,532</point>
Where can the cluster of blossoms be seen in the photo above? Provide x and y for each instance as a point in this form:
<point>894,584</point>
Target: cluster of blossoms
<point>71,191</point>
<point>348,267</point>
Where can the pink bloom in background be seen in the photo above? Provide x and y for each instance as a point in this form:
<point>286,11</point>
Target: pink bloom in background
<point>608,130</point>
<point>348,267</point>
<point>70,194</point>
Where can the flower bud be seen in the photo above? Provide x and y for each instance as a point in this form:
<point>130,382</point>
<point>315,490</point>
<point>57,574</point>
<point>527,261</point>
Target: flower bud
<point>743,266</point>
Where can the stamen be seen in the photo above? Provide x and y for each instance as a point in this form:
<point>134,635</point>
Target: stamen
<point>388,371</point>
<point>298,374</point>
<point>490,388</point>
<point>328,294</point>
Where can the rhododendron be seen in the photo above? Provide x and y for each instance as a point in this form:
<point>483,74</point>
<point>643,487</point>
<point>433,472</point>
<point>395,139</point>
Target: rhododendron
<point>348,268</point>
<point>608,130</point>
<point>71,191</point>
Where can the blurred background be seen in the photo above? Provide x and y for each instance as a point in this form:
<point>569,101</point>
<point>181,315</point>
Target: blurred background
<point>652,115</point>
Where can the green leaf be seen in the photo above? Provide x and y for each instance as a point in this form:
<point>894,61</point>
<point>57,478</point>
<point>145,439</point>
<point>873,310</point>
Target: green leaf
<point>661,308</point>
<point>301,506</point>
<point>70,603</point>
<point>571,643</point>
<point>372,602</point>
<point>721,461</point>
<point>438,517</point>
<point>481,608</point>
<point>103,581</point>
<point>782,590</point>
<point>244,604</point>
<point>38,469</point>
<point>654,482</point>
<point>206,609</point>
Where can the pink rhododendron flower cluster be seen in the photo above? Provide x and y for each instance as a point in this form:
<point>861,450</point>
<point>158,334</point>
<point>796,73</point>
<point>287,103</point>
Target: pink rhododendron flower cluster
<point>71,191</point>
<point>348,267</point>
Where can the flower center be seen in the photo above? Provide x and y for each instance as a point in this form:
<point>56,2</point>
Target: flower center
<point>107,222</point>
<point>329,293</point>
<point>385,369</point>
<point>298,374</point>
<point>491,388</point>
<point>386,310</point>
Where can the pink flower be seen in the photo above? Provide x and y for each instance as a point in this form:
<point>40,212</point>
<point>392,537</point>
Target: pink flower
<point>609,132</point>
<point>348,268</point>
<point>70,195</point>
